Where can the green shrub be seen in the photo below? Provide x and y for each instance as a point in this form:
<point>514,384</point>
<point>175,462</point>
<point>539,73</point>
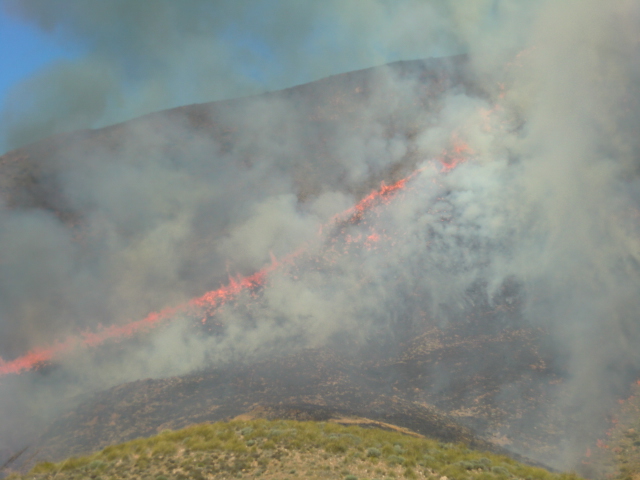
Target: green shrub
<point>226,434</point>
<point>500,471</point>
<point>73,463</point>
<point>455,471</point>
<point>427,461</point>
<point>485,476</point>
<point>235,445</point>
<point>466,465</point>
<point>410,473</point>
<point>164,448</point>
<point>395,460</point>
<point>335,446</point>
<point>373,452</point>
<point>97,465</point>
<point>351,438</point>
<point>114,452</point>
<point>43,467</point>
<point>202,445</point>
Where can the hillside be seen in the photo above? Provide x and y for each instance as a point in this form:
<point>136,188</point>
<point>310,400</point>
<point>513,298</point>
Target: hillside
<point>288,449</point>
<point>302,280</point>
<point>328,383</point>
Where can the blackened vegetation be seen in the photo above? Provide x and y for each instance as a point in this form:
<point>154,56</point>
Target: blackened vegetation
<point>444,384</point>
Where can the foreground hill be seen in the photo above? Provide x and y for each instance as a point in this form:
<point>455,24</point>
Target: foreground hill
<point>288,449</point>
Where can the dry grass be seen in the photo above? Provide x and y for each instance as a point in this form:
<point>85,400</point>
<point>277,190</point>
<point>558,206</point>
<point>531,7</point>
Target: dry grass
<point>286,450</point>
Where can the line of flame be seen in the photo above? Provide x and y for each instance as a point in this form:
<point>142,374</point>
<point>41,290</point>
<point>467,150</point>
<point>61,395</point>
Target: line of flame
<point>209,302</point>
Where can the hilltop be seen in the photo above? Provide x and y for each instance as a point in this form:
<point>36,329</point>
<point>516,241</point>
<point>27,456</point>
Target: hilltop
<point>288,449</point>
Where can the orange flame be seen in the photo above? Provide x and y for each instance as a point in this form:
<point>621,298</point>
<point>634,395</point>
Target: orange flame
<point>211,301</point>
<point>460,152</point>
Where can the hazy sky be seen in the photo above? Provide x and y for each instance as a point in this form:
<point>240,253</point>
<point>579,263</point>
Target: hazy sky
<point>69,65</point>
<point>24,50</point>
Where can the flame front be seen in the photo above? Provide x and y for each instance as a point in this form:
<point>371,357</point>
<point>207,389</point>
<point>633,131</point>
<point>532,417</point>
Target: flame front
<point>206,305</point>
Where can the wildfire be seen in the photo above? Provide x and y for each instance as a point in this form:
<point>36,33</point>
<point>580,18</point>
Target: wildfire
<point>459,153</point>
<point>207,304</point>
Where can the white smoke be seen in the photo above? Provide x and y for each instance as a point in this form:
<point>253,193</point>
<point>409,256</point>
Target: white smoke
<point>548,194</point>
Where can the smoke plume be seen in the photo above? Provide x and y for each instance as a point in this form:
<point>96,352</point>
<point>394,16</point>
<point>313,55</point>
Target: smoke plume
<point>542,192</point>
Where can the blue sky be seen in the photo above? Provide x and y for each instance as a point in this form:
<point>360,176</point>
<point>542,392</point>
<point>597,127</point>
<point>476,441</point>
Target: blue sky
<point>137,57</point>
<point>24,50</point>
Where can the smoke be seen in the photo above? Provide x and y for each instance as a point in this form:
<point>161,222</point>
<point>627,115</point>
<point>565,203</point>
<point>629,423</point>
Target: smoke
<point>146,58</point>
<point>544,195</point>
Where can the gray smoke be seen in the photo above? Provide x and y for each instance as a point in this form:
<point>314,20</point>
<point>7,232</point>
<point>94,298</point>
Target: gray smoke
<point>144,58</point>
<point>548,196</point>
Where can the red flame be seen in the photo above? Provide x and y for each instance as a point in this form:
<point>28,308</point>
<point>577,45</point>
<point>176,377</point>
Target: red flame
<point>459,153</point>
<point>211,301</point>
